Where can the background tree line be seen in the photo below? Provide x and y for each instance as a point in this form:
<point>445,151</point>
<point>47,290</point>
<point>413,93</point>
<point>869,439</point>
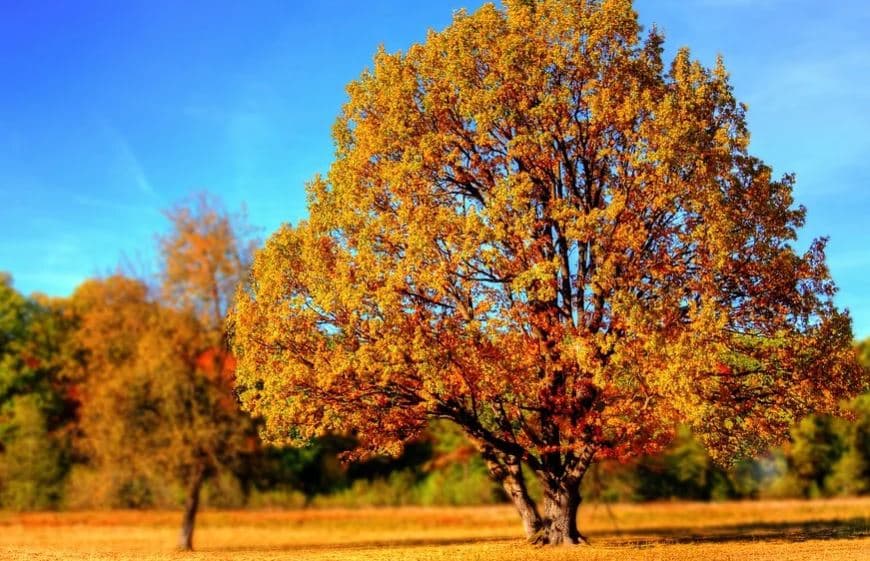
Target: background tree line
<point>121,396</point>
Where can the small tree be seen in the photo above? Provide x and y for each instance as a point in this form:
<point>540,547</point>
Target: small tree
<point>205,256</point>
<point>158,373</point>
<point>535,231</point>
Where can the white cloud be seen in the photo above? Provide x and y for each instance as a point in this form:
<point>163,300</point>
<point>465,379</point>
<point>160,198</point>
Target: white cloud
<point>130,162</point>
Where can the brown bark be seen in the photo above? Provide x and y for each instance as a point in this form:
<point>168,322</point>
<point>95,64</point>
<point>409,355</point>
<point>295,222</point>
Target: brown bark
<point>508,471</point>
<point>556,522</point>
<point>515,486</point>
<point>559,521</point>
<point>191,506</point>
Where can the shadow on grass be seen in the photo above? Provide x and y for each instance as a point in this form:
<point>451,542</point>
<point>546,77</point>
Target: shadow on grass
<point>853,528</point>
<point>359,544</point>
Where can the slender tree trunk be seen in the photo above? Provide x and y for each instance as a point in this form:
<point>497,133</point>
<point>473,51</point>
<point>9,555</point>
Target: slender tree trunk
<point>191,506</point>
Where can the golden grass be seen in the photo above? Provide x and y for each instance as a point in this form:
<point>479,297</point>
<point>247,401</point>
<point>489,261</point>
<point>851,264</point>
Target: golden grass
<point>825,530</point>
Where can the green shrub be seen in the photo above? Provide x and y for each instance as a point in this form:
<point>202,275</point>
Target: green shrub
<point>33,464</point>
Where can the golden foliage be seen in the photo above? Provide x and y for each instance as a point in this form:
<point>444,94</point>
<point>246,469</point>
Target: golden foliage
<point>533,229</point>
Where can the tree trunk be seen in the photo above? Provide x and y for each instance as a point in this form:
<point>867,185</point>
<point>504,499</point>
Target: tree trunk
<point>559,522</point>
<point>508,471</point>
<point>515,486</point>
<point>191,506</point>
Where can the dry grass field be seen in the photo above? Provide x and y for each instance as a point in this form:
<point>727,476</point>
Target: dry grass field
<point>818,530</point>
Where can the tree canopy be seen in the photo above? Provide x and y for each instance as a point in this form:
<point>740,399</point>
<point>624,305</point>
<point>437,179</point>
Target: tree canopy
<point>535,229</point>
<point>157,371</point>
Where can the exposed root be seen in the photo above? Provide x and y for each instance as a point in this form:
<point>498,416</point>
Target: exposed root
<point>542,538</point>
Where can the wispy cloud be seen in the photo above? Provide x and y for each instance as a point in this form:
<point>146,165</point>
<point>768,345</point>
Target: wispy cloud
<point>129,161</point>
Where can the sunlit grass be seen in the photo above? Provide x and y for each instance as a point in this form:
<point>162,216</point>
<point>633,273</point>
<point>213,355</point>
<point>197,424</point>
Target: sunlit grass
<point>834,529</point>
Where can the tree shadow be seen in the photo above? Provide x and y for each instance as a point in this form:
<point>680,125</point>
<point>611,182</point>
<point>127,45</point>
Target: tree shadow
<point>852,528</point>
<point>360,544</point>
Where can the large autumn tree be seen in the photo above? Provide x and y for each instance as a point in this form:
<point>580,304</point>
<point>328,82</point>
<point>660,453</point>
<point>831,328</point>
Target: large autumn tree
<point>536,230</point>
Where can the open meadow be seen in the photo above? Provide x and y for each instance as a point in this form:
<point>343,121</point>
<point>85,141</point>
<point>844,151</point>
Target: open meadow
<point>817,530</point>
<point>283,280</point>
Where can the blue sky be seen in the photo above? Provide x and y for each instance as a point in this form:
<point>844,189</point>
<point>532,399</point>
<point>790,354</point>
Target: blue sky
<point>112,111</point>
